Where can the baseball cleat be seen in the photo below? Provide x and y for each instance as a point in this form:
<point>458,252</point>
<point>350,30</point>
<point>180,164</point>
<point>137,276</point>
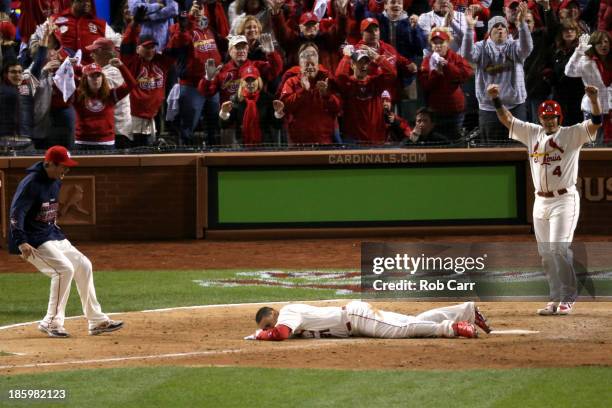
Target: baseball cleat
<point>106,327</point>
<point>481,321</point>
<point>549,310</point>
<point>58,332</point>
<point>565,308</point>
<point>465,329</point>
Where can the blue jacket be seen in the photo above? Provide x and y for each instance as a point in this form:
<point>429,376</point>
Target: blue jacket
<point>34,210</point>
<point>410,42</point>
<point>160,17</point>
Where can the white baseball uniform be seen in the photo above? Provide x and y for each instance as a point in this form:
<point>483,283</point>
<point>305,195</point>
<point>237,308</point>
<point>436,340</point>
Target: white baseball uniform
<point>62,262</point>
<point>361,319</point>
<point>554,169</point>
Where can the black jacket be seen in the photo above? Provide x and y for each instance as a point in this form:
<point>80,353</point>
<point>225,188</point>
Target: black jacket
<point>267,121</point>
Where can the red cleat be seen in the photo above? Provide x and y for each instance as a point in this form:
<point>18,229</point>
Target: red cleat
<point>465,329</point>
<point>481,321</point>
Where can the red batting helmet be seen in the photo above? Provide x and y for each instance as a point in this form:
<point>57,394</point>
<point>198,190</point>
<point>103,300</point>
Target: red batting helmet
<point>551,108</point>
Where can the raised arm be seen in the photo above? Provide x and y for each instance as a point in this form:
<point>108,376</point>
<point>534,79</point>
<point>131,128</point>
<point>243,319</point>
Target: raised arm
<point>469,50</point>
<point>503,114</point>
<point>574,67</point>
<point>595,122</point>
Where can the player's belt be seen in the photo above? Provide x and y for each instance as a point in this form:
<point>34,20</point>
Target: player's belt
<point>348,324</point>
<point>549,194</point>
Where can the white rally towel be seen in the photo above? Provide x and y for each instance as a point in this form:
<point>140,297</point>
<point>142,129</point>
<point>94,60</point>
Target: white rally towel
<point>64,79</point>
<point>173,102</point>
<point>78,56</point>
<point>320,8</point>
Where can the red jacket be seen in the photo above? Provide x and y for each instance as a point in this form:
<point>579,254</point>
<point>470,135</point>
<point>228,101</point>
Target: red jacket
<point>328,41</point>
<point>399,63</point>
<point>363,111</point>
<point>148,95</point>
<point>227,81</point>
<point>199,46</point>
<point>310,117</point>
<point>77,33</point>
<point>96,117</point>
<point>604,22</point>
<point>443,89</point>
<point>398,131</point>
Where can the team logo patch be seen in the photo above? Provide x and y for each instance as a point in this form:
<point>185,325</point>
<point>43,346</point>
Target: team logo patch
<point>61,20</point>
<point>343,282</point>
<point>63,29</point>
<point>92,28</point>
<point>94,105</point>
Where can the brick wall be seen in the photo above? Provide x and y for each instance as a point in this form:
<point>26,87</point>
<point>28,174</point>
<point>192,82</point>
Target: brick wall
<point>136,198</point>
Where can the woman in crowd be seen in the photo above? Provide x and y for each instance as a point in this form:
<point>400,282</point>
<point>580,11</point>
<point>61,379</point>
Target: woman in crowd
<point>591,61</point>
<point>251,111</point>
<point>441,76</point>
<point>95,103</point>
<point>567,91</point>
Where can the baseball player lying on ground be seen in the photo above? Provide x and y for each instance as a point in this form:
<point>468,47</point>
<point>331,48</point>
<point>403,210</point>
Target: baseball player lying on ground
<point>360,319</point>
<point>553,152</point>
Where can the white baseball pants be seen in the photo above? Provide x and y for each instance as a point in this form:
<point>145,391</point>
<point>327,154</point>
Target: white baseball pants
<point>62,262</point>
<point>554,222</point>
<point>367,321</point>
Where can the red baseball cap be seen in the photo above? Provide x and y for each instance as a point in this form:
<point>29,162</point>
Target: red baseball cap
<point>7,30</point>
<point>249,71</point>
<point>366,23</point>
<point>101,43</point>
<point>439,34</point>
<point>308,17</point>
<point>508,3</point>
<point>59,155</point>
<point>92,69</point>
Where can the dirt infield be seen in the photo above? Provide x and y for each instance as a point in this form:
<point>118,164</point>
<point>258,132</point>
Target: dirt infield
<point>213,336</point>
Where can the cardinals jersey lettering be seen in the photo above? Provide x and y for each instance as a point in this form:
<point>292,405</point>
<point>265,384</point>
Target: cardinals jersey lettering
<point>553,158</point>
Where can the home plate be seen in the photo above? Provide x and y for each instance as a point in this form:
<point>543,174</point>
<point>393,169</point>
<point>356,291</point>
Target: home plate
<point>514,331</point>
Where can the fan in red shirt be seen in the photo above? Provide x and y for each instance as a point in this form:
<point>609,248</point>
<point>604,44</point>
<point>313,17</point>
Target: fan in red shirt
<point>311,105</point>
<point>226,79</point>
<point>329,41</point>
<point>402,66</point>
<point>441,76</point>
<point>95,104</point>
<point>363,120</point>
<point>78,27</point>
<point>398,129</point>
<point>151,73</point>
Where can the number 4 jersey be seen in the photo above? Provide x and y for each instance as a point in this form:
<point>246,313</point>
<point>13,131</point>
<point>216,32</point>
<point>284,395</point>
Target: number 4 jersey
<point>553,158</point>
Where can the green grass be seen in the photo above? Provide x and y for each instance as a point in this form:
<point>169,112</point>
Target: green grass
<point>256,387</point>
<point>24,297</point>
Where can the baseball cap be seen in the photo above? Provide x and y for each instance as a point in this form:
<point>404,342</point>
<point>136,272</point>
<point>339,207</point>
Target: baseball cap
<point>7,30</point>
<point>359,55</point>
<point>101,43</point>
<point>385,95</point>
<point>366,23</point>
<point>308,17</point>
<point>92,69</point>
<point>147,40</point>
<point>59,155</point>
<point>508,3</point>
<point>249,71</point>
<point>237,39</point>
<point>442,35</point>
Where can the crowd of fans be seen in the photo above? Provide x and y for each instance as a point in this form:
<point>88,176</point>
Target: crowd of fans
<point>294,72</point>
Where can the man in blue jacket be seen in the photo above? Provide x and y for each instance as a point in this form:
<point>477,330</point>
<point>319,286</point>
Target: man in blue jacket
<point>35,235</point>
